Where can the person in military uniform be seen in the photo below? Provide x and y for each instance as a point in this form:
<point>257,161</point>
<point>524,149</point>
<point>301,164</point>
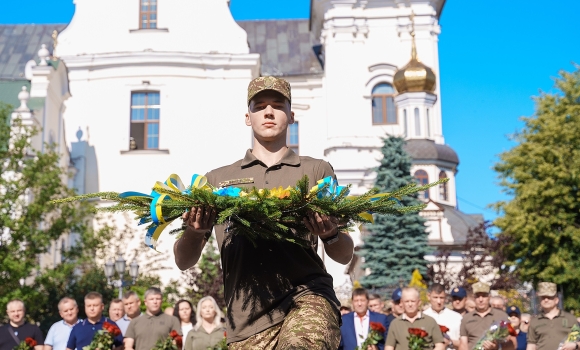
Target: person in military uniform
<point>278,294</point>
<point>552,326</point>
<point>475,323</point>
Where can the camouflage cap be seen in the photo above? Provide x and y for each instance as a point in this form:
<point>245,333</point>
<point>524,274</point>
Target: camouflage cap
<point>480,287</point>
<point>547,289</point>
<point>269,83</point>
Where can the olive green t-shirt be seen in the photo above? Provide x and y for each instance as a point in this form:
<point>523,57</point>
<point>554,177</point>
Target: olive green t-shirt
<point>147,329</point>
<point>549,333</point>
<point>200,339</point>
<point>473,326</point>
<point>399,331</point>
<point>262,282</point>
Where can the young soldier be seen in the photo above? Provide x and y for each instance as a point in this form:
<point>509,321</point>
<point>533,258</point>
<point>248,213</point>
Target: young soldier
<point>278,294</point>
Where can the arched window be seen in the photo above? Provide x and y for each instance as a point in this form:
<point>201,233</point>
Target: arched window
<point>384,110</point>
<point>417,122</point>
<point>443,193</point>
<point>422,179</point>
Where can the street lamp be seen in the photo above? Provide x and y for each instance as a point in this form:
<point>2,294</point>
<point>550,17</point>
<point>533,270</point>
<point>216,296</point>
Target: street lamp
<point>120,265</point>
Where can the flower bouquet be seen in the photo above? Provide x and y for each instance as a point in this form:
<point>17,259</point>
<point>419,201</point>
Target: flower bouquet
<point>221,345</point>
<point>255,213</point>
<point>26,344</point>
<point>104,338</point>
<point>573,337</point>
<point>172,342</point>
<point>376,332</point>
<point>498,332</point>
<point>444,330</point>
<point>417,339</point>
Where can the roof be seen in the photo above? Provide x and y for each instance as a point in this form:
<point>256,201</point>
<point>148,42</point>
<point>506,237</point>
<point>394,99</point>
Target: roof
<point>9,90</point>
<point>429,150</point>
<point>286,47</point>
<point>20,43</point>
<point>460,223</point>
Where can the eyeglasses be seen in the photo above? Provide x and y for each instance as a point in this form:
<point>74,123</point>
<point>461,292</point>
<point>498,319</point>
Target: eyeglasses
<point>548,297</point>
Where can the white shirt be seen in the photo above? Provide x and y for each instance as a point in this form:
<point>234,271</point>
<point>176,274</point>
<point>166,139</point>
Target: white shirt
<point>447,318</point>
<point>361,327</point>
<point>185,328</point>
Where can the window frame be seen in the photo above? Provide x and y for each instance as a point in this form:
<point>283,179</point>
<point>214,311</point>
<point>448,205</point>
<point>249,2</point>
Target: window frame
<point>145,121</point>
<point>443,187</point>
<point>293,146</point>
<point>383,98</point>
<point>148,14</point>
<point>422,178</point>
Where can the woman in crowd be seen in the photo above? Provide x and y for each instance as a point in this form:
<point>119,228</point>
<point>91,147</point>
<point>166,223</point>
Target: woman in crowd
<point>208,330</point>
<point>184,312</point>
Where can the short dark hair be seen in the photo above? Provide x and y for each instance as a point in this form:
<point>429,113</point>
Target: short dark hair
<point>374,296</point>
<point>360,291</point>
<point>116,301</point>
<point>344,307</point>
<point>176,311</point>
<point>94,295</point>
<point>436,288</point>
<point>130,294</point>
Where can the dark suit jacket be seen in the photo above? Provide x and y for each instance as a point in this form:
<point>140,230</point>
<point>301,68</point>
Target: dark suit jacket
<point>348,340</point>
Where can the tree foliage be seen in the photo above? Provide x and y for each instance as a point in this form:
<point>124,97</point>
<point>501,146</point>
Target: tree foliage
<point>206,278</point>
<point>482,260</point>
<point>29,227</point>
<point>541,175</point>
<point>397,244</point>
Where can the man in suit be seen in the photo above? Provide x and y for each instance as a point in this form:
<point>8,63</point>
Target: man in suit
<point>355,325</point>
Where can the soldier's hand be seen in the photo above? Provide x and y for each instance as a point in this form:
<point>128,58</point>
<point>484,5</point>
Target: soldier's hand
<point>569,346</point>
<point>200,218</point>
<point>490,345</point>
<point>323,226</point>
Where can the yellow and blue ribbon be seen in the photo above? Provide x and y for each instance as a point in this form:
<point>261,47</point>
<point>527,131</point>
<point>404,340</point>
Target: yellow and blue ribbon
<point>158,221</point>
<point>332,189</point>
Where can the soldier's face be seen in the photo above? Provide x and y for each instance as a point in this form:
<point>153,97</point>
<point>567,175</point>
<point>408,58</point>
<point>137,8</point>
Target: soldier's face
<point>549,302</point>
<point>269,115</point>
<point>481,301</point>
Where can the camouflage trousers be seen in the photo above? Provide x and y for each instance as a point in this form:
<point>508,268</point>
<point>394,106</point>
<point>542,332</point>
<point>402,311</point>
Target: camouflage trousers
<point>311,325</point>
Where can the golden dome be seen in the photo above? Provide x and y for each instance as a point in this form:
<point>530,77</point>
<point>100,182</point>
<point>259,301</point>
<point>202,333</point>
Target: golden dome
<point>415,76</point>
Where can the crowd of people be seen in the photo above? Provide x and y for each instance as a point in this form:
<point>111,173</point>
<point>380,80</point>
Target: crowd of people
<point>466,317</point>
<point>201,328</point>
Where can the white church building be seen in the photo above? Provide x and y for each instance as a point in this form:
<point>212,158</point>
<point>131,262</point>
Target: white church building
<point>158,87</point>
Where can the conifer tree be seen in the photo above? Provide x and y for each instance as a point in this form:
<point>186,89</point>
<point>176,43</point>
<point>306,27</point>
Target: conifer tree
<point>397,244</point>
<point>542,176</point>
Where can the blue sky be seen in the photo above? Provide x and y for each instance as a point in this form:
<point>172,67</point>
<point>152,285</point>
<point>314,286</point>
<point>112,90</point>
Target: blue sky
<point>494,56</point>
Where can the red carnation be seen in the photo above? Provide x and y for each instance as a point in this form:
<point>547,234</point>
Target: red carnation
<point>30,342</point>
<point>511,330</point>
<point>423,334</point>
<point>444,329</point>
<point>173,334</point>
<point>378,327</point>
<point>414,331</point>
<point>225,335</point>
<point>112,329</point>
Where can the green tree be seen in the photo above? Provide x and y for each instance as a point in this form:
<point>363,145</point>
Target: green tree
<point>206,278</point>
<point>28,225</point>
<point>397,244</point>
<point>541,175</point>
